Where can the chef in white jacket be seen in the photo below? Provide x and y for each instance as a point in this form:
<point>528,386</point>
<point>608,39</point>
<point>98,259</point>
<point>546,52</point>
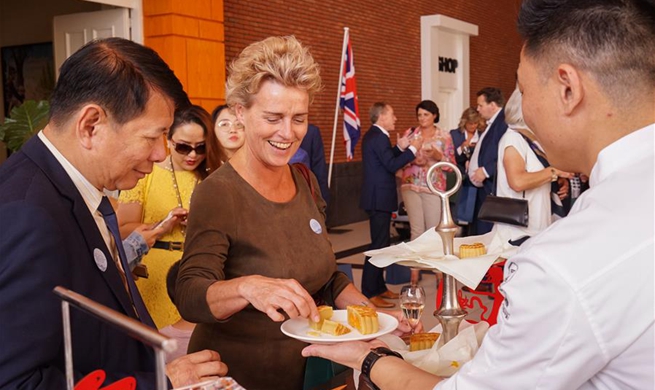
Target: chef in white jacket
<point>579,299</point>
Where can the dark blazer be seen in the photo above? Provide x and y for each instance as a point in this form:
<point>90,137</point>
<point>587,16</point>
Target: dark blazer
<point>488,157</point>
<point>458,139</point>
<point>381,161</point>
<point>313,145</point>
<point>48,238</point>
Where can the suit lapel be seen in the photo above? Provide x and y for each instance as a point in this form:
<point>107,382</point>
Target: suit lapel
<point>43,158</point>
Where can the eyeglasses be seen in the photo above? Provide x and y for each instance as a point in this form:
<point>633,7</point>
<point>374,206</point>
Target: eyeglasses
<point>186,149</point>
<point>225,125</point>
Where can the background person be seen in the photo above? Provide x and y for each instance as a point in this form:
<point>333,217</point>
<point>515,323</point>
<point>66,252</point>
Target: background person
<point>168,189</point>
<point>465,137</point>
<point>262,253</point>
<point>229,131</point>
<point>113,102</point>
<point>592,63</point>
<point>379,195</point>
<point>521,174</point>
<point>423,207</point>
<point>484,159</point>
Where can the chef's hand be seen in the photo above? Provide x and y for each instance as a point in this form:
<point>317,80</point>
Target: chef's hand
<point>349,354</point>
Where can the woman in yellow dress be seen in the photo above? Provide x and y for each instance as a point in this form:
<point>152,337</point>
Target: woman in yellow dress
<point>166,192</point>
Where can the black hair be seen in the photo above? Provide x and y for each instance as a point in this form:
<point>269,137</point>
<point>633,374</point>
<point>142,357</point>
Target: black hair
<point>217,111</point>
<point>215,154</point>
<point>613,39</point>
<point>116,74</point>
<point>492,94</point>
<point>429,105</point>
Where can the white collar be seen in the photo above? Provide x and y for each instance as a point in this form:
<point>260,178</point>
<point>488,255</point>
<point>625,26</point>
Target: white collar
<point>622,152</point>
<point>383,130</point>
<point>493,118</point>
<point>91,195</point>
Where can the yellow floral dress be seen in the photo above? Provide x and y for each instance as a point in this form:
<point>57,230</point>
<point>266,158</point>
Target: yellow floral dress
<point>157,196</point>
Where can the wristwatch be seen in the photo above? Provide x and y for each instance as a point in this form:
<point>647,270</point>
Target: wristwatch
<point>371,359</point>
<point>553,175</point>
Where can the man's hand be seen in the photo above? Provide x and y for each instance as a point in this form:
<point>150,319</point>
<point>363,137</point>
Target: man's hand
<point>403,143</point>
<point>478,177</point>
<point>349,354</point>
<point>195,367</point>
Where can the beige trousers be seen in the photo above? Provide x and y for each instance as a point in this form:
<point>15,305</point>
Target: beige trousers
<point>423,210</point>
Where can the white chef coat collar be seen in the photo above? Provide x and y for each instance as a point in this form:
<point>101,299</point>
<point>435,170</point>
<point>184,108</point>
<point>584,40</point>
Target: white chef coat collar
<point>622,152</point>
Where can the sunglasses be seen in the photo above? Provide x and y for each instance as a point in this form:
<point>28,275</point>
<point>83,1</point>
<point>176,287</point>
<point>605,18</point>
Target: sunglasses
<point>225,125</point>
<point>186,149</point>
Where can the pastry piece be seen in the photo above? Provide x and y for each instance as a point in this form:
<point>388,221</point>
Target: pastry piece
<point>363,318</point>
<point>421,341</point>
<point>472,250</point>
<point>334,328</point>
<point>325,312</point>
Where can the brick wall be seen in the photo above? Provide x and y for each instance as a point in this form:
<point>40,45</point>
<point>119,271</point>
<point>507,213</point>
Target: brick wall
<point>188,35</point>
<point>385,36</point>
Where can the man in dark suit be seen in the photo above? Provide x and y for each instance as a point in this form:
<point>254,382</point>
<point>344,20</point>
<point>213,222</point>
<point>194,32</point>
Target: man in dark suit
<point>484,160</point>
<point>112,104</point>
<point>379,196</point>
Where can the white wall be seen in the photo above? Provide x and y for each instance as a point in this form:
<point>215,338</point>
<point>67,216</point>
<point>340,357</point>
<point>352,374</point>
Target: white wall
<point>30,21</point>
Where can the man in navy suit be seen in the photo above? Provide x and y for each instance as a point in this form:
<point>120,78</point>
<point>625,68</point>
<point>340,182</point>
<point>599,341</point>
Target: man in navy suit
<point>379,196</point>
<point>484,160</point>
<point>113,103</point>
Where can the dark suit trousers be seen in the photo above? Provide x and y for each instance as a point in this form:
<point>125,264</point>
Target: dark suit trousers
<point>480,227</point>
<point>372,277</point>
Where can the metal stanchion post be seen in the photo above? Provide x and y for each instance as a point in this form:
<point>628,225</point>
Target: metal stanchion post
<point>450,314</point>
<point>132,327</point>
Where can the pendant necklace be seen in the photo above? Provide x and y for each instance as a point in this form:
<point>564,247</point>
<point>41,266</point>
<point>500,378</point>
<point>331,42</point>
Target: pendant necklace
<point>177,191</point>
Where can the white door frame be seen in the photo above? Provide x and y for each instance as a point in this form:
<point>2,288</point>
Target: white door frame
<point>136,15</point>
<point>431,26</point>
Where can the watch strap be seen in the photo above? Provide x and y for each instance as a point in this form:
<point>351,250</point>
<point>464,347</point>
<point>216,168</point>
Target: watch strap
<point>372,358</point>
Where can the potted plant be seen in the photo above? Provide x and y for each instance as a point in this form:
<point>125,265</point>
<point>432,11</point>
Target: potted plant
<point>24,121</point>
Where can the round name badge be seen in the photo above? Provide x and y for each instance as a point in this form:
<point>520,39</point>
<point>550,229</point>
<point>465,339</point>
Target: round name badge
<point>315,226</point>
<point>101,260</point>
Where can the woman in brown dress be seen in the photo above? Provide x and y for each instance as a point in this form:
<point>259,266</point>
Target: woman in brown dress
<point>257,250</point>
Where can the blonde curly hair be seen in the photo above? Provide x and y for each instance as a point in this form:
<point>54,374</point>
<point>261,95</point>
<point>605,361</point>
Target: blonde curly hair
<point>281,59</point>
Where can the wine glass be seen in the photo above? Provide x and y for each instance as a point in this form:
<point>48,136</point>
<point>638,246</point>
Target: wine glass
<point>412,303</point>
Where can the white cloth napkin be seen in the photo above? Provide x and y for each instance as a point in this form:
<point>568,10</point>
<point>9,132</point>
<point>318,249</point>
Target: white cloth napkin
<point>443,360</point>
<point>428,251</point>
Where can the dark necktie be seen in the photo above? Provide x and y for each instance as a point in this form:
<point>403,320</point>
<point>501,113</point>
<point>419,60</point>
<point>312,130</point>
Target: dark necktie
<point>112,223</point>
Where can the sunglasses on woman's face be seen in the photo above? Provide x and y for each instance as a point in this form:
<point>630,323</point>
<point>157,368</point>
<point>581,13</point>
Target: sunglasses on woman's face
<point>186,149</point>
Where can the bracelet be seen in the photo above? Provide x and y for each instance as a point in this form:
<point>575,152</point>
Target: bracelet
<point>553,175</point>
<point>372,358</point>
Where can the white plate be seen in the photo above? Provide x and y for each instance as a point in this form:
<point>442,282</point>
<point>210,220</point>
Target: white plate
<point>298,328</point>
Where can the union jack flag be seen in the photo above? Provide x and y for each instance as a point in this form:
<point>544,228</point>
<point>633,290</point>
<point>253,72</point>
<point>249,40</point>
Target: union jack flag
<point>348,103</point>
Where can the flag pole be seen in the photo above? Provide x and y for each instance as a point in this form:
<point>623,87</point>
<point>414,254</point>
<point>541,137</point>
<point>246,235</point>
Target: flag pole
<point>336,109</point>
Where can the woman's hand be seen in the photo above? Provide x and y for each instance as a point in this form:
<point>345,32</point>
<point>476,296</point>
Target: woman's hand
<point>403,325</point>
<point>269,295</point>
<point>563,191</point>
